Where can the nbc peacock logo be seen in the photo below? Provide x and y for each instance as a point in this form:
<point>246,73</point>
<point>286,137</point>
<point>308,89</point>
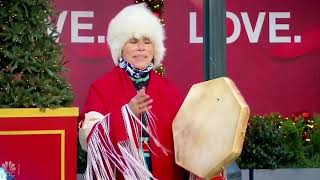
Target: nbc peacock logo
<point>7,171</point>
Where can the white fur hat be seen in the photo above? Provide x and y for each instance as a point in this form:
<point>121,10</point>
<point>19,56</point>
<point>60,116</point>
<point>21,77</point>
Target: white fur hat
<point>135,21</point>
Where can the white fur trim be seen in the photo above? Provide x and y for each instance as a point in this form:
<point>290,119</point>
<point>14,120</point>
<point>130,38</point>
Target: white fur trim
<point>135,21</point>
<point>91,118</point>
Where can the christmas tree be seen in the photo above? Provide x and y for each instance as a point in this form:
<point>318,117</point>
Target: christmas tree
<point>32,72</point>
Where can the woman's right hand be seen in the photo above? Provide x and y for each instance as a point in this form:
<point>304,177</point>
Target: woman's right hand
<point>140,103</point>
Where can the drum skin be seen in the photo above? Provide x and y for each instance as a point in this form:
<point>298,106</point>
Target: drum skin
<point>210,126</point>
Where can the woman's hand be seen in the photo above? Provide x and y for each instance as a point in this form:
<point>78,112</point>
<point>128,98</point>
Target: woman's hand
<point>140,103</point>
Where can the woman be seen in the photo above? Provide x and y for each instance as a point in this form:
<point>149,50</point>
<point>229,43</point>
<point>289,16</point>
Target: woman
<point>129,111</point>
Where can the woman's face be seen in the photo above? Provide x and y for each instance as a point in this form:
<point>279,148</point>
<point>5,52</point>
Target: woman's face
<point>138,52</point>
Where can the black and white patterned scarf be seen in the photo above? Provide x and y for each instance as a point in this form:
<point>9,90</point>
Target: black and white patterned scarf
<point>139,77</point>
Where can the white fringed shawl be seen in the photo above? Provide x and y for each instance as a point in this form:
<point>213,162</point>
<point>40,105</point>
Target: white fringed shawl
<point>103,159</point>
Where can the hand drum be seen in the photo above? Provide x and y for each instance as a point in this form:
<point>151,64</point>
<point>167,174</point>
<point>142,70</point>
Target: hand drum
<point>210,126</point>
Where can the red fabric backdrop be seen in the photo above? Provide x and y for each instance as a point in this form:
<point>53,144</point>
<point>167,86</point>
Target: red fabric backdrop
<point>272,52</point>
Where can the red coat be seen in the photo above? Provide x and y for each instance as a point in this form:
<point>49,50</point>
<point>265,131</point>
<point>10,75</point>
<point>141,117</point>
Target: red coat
<point>109,93</point>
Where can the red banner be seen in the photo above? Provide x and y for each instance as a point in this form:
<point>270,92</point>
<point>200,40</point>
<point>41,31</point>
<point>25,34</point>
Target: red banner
<point>272,51</point>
